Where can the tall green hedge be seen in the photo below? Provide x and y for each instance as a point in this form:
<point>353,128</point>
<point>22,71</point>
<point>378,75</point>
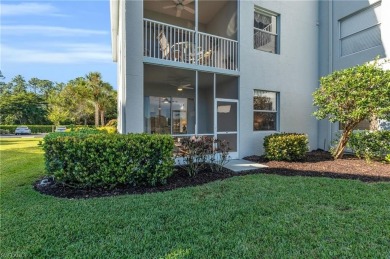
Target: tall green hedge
<point>106,160</point>
<point>33,128</point>
<point>286,146</point>
<point>36,128</point>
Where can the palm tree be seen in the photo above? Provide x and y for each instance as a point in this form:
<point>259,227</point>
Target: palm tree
<point>96,85</point>
<point>107,98</point>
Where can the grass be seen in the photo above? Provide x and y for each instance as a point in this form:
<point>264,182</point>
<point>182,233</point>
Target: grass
<point>242,217</point>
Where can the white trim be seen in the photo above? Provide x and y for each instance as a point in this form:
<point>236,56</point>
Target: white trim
<point>114,19</point>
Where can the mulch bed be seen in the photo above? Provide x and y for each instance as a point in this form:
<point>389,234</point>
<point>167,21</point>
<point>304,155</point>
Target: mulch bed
<point>317,164</point>
<point>321,164</point>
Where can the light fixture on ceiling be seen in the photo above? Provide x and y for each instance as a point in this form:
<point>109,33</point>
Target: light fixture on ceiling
<point>165,100</point>
<point>180,89</point>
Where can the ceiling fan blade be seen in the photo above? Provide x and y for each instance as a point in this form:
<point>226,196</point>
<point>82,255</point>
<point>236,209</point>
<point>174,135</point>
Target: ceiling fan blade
<point>169,6</point>
<point>178,13</point>
<point>187,2</point>
<point>176,1</point>
<point>188,9</point>
<point>186,86</point>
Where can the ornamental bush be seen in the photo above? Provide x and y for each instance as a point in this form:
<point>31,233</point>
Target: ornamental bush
<point>286,146</point>
<point>199,152</point>
<point>107,160</point>
<point>370,145</point>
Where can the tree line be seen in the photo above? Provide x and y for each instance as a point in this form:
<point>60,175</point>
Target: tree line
<point>84,100</point>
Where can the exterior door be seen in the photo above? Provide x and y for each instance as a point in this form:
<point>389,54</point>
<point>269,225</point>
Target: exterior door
<point>226,123</point>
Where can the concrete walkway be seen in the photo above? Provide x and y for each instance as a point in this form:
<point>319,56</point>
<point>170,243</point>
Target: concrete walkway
<point>238,165</point>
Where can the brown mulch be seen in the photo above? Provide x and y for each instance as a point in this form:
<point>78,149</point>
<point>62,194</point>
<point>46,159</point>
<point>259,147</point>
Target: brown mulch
<point>321,164</point>
<point>179,179</point>
<point>317,164</point>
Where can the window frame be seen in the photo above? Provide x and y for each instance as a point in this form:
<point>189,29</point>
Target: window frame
<point>277,111</point>
<point>369,27</point>
<point>260,10</point>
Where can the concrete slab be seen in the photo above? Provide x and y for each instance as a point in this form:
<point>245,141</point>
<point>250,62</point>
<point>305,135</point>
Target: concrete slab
<point>238,165</point>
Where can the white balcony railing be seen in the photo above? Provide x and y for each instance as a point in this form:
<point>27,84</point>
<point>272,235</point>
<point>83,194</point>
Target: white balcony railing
<point>169,42</point>
<point>264,40</point>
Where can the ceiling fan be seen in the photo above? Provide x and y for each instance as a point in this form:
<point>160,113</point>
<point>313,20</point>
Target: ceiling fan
<point>181,5</point>
<point>181,87</point>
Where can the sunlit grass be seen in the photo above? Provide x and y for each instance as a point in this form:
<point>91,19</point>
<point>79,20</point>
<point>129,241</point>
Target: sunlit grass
<point>252,216</point>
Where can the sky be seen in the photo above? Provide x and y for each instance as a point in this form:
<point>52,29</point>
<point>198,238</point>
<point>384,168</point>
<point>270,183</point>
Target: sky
<point>56,40</point>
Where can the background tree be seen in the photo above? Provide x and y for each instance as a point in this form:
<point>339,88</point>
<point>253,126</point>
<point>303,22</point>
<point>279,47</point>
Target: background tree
<point>102,95</point>
<point>352,95</point>
<point>106,102</point>
<point>22,108</point>
<point>73,103</point>
<point>42,87</point>
<point>95,83</point>
<point>18,85</point>
<point>40,101</point>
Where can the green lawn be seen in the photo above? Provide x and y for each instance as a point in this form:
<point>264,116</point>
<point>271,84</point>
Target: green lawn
<point>255,216</point>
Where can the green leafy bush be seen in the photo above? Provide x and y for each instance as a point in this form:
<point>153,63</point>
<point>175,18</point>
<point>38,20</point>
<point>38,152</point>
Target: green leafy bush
<point>370,145</point>
<point>108,129</point>
<point>112,123</point>
<point>286,146</point>
<point>106,160</point>
<point>84,130</point>
<point>387,158</point>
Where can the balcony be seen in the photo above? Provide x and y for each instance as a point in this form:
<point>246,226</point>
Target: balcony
<point>177,44</point>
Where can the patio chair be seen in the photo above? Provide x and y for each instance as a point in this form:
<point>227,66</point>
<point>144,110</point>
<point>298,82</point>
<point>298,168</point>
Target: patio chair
<point>164,44</point>
<point>204,57</point>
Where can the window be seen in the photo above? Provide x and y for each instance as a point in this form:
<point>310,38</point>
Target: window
<point>361,30</point>
<point>363,125</point>
<point>265,110</point>
<point>265,37</point>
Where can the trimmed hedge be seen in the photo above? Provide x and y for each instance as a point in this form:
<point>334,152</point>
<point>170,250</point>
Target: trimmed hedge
<point>106,160</point>
<point>38,128</point>
<point>370,145</point>
<point>33,128</point>
<point>286,146</point>
<point>3,131</point>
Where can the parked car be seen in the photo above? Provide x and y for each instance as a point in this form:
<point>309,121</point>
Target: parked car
<point>22,130</point>
<point>60,129</point>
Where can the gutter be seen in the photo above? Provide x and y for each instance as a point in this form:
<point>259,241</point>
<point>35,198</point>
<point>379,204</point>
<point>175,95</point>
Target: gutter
<point>114,20</point>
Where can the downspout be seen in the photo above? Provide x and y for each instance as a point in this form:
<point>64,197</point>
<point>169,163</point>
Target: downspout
<point>330,56</point>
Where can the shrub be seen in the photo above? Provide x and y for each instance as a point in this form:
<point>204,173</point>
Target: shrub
<point>33,128</point>
<point>286,146</point>
<point>84,130</point>
<point>197,152</point>
<point>220,155</point>
<point>112,123</point>
<point>370,145</point>
<point>4,131</point>
<point>106,160</point>
<point>387,158</point>
<point>39,128</point>
<point>108,129</point>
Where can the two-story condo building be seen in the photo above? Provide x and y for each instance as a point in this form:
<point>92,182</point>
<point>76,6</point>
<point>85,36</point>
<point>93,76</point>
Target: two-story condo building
<point>237,70</point>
